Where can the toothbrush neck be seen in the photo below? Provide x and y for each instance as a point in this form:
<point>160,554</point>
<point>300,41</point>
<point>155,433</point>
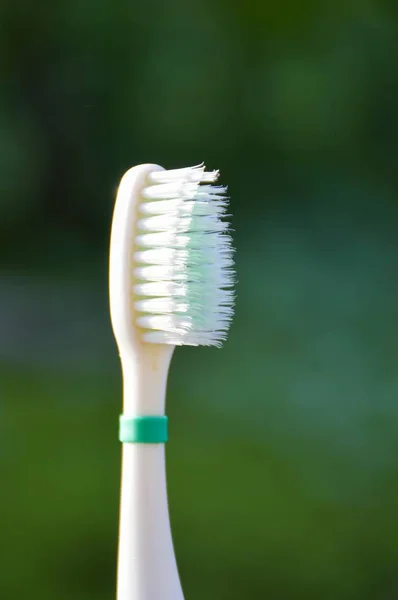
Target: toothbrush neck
<point>145,381</point>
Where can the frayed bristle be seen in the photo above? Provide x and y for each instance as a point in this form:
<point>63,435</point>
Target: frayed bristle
<point>183,260</point>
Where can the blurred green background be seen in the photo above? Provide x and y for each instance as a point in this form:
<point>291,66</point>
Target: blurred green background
<point>282,469</point>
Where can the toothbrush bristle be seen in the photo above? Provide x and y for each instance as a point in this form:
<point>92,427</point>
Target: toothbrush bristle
<point>183,259</point>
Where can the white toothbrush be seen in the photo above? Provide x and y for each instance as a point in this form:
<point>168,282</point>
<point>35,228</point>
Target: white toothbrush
<point>171,278</point>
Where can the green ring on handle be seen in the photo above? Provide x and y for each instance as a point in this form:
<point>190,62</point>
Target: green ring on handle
<point>143,430</point>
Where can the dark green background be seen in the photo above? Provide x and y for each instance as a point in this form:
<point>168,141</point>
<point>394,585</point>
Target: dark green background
<point>283,460</point>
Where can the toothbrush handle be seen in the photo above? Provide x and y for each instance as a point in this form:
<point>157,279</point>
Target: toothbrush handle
<point>147,568</point>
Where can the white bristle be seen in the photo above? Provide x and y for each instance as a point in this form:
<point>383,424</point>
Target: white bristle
<point>182,224</point>
<point>183,264</point>
<point>177,207</point>
<point>194,174</point>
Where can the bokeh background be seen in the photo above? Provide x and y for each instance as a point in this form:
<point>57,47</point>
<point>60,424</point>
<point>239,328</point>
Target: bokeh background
<point>282,469</point>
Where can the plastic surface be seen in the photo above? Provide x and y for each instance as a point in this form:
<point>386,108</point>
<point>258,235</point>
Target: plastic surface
<point>143,430</point>
<point>147,567</point>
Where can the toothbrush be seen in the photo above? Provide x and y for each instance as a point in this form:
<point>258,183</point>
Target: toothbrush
<point>171,283</point>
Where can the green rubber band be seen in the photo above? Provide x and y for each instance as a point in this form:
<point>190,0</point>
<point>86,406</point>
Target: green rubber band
<point>143,430</point>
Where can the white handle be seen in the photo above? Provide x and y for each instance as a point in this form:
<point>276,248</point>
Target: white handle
<point>147,568</point>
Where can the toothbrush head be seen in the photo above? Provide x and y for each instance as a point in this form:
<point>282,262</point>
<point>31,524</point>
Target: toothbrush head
<point>171,265</point>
